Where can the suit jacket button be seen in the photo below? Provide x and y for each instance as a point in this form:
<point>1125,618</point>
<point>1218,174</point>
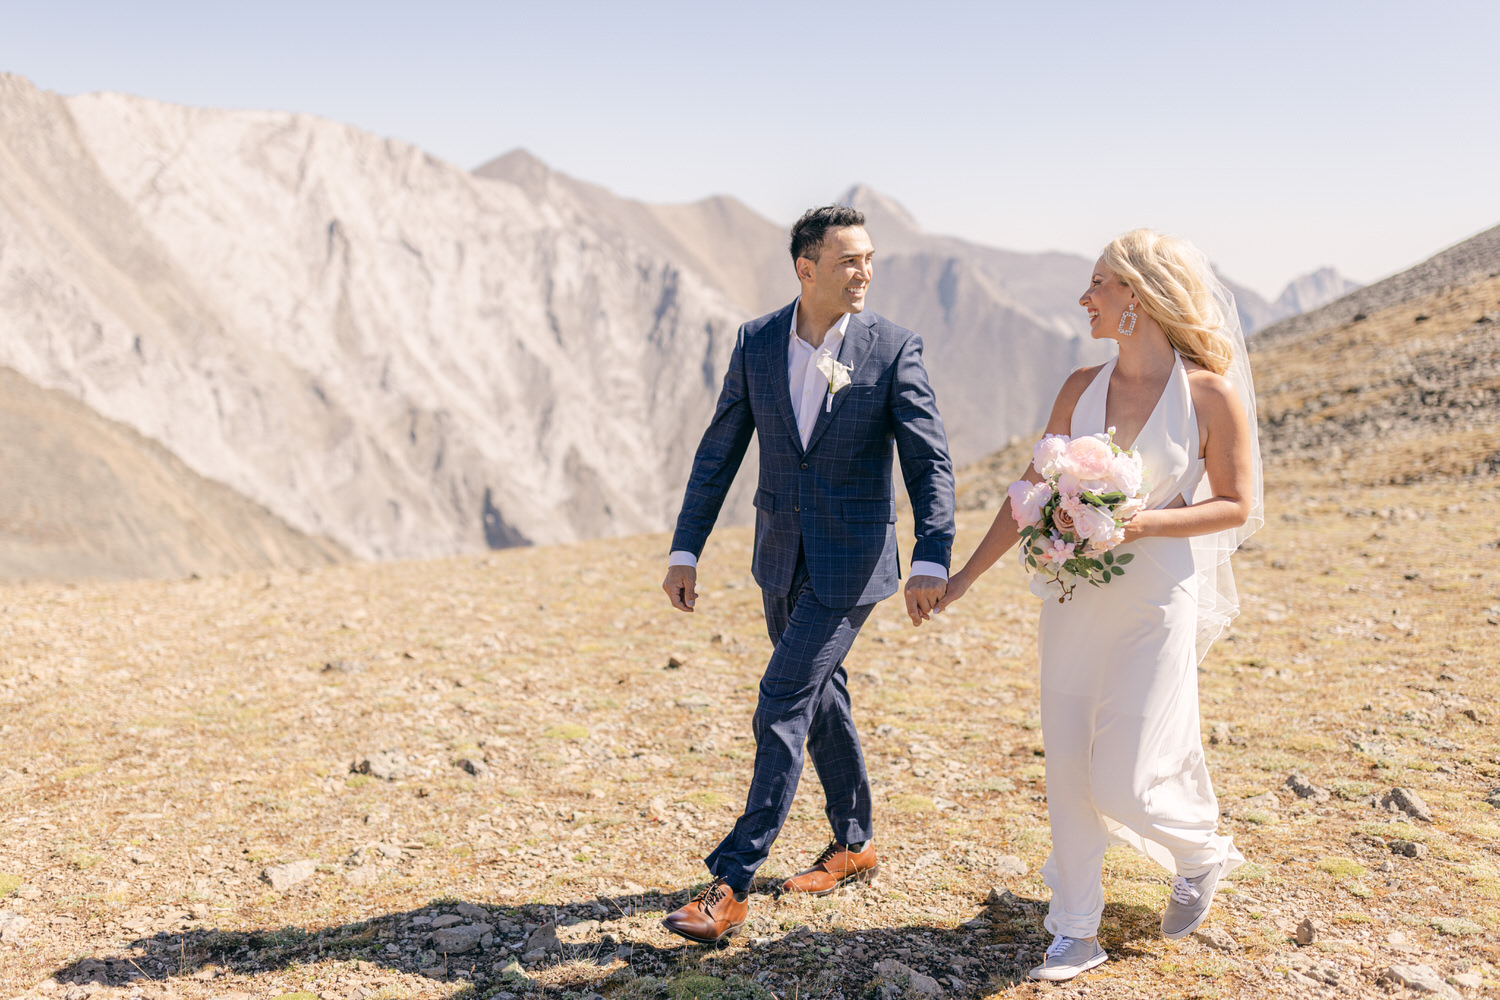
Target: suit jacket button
<point>797,509</point>
<point>804,465</point>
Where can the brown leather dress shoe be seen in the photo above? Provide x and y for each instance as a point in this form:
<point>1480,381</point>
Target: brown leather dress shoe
<point>712,916</point>
<point>835,866</point>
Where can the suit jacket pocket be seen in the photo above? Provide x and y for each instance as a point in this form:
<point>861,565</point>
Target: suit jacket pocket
<point>765,500</point>
<point>876,511</point>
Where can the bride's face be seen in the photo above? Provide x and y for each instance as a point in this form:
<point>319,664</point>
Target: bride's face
<point>1105,300</point>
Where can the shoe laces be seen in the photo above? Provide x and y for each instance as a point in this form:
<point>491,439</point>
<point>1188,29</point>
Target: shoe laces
<point>1060,944</point>
<point>828,853</point>
<point>712,893</point>
<point>1184,893</point>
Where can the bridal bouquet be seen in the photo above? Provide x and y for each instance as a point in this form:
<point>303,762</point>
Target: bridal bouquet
<point>1073,518</point>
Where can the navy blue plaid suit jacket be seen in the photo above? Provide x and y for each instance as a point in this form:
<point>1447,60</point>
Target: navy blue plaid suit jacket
<point>835,499</point>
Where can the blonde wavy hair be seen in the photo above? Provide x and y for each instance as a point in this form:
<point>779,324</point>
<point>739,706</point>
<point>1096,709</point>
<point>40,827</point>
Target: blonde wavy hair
<point>1167,276</point>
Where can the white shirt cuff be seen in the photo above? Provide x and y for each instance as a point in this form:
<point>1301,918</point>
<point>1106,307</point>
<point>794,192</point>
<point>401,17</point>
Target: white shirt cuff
<point>684,558</point>
<point>929,569</point>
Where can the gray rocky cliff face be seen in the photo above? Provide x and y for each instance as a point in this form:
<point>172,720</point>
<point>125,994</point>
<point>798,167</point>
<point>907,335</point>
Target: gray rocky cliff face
<point>379,347</point>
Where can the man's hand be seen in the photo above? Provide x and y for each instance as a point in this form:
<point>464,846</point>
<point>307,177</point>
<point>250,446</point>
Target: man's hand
<point>922,595</point>
<point>681,586</point>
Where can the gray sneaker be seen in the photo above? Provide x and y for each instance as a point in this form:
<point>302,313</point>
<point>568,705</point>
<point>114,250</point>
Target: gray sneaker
<point>1068,957</point>
<point>1188,905</point>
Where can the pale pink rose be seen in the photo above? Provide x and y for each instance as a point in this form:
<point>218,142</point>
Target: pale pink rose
<point>1098,526</point>
<point>1088,457</point>
<point>1069,485</point>
<point>1048,453</point>
<point>1125,473</point>
<point>1027,500</point>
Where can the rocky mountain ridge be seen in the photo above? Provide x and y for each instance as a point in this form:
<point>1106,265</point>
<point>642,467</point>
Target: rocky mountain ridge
<point>412,359</point>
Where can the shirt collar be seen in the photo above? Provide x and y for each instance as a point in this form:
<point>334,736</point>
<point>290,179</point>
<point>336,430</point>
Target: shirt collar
<point>839,328</point>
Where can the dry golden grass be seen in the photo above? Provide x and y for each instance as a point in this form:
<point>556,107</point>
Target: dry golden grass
<point>163,743</point>
<point>196,722</point>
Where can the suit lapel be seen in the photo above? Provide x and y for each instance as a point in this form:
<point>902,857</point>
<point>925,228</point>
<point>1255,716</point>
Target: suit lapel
<point>859,338</point>
<point>780,329</point>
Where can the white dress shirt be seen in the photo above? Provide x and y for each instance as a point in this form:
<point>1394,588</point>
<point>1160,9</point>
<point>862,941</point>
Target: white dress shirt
<point>809,390</point>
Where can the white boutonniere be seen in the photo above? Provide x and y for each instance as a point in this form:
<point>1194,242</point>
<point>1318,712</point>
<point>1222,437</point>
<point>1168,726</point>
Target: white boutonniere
<point>837,374</point>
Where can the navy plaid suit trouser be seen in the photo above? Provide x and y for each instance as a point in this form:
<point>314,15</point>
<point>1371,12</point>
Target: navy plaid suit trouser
<point>804,698</point>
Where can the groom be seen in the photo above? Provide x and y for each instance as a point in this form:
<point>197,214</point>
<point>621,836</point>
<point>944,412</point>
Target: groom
<point>826,388</point>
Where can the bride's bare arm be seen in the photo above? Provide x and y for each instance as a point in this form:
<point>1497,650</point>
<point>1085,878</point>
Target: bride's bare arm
<point>1226,461</point>
<point>1003,531</point>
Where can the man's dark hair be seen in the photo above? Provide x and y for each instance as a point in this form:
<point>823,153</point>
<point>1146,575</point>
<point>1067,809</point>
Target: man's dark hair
<point>808,233</point>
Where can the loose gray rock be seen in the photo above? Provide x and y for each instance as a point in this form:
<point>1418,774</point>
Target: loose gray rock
<point>891,969</point>
<point>1307,932</point>
<point>1217,938</point>
<point>387,765</point>
<point>543,939</point>
<point>474,766</point>
<point>11,926</point>
<point>675,663</point>
<point>460,939</point>
<point>1408,849</point>
<point>1306,789</point>
<point>1493,798</point>
<point>446,920</point>
<point>1467,980</point>
<point>343,667</point>
<point>283,877</point>
<point>477,914</point>
<point>1418,979</point>
<point>362,875</point>
<point>1220,734</point>
<point>1010,865</point>
<point>1407,801</point>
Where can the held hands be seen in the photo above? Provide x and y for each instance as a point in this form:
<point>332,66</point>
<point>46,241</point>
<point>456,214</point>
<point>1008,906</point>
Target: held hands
<point>681,586</point>
<point>923,593</point>
<point>958,585</point>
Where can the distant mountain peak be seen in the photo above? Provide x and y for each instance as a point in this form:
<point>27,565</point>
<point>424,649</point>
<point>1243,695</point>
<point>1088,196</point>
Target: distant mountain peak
<point>879,208</point>
<point>1314,289</point>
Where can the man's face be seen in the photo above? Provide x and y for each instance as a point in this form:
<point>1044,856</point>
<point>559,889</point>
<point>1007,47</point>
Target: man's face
<point>838,279</point>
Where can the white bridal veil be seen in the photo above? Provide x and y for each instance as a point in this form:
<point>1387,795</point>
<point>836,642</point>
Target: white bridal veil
<point>1218,601</point>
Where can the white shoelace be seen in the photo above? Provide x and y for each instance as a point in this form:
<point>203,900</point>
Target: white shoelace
<point>1059,945</point>
<point>1184,892</point>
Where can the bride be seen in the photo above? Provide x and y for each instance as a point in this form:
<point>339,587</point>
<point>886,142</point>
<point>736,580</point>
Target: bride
<point>1119,662</point>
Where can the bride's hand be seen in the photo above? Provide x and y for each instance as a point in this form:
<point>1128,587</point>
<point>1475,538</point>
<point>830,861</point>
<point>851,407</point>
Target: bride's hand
<point>958,583</point>
<point>1138,526</point>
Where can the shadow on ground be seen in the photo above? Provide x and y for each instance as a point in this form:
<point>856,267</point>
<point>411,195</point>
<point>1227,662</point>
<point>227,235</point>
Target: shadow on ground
<point>594,946</point>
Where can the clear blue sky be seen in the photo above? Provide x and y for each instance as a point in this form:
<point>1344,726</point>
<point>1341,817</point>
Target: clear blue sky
<point>1280,136</point>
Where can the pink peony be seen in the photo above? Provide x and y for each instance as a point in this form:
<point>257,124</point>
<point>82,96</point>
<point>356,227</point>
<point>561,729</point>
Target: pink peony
<point>1125,473</point>
<point>1088,458</point>
<point>1027,500</point>
<point>1048,453</point>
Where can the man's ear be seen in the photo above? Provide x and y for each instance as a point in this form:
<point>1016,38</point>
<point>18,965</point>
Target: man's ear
<point>805,269</point>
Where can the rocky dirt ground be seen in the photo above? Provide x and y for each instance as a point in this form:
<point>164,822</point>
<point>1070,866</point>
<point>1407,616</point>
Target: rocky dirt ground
<point>492,776</point>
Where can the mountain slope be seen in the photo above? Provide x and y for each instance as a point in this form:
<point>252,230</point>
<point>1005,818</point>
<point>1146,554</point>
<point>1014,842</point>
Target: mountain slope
<point>87,498</point>
<point>376,345</point>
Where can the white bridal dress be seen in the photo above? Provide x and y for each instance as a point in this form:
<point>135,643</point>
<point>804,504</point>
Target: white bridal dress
<point>1120,692</point>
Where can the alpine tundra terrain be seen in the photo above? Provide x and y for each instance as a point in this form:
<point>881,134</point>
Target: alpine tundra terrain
<point>492,775</point>
<point>416,360</point>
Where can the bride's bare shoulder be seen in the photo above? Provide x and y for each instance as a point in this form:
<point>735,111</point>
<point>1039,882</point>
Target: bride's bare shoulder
<point>1209,389</point>
<point>1078,381</point>
<point>1067,397</point>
